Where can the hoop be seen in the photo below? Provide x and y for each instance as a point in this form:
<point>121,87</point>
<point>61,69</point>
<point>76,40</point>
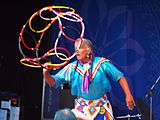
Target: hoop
<point>52,19</point>
<point>69,15</point>
<point>21,39</point>
<point>34,62</point>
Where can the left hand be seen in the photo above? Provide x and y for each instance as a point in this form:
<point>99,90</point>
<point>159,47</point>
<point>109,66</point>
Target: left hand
<point>130,102</point>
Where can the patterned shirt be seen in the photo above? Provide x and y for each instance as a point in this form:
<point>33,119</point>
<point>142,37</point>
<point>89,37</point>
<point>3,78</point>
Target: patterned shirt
<point>102,72</point>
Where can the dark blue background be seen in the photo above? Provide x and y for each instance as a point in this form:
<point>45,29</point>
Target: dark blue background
<point>127,33</point>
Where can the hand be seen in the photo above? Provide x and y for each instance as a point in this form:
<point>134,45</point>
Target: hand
<point>130,102</point>
<point>47,66</point>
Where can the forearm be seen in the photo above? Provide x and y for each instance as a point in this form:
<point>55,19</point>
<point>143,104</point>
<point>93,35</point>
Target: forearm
<point>124,84</point>
<point>129,98</point>
<point>48,78</point>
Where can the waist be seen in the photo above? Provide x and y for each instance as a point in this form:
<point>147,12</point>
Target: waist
<point>96,103</point>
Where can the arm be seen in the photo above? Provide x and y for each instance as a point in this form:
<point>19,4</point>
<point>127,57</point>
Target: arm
<point>116,75</point>
<point>129,98</point>
<point>48,78</point>
<point>57,79</point>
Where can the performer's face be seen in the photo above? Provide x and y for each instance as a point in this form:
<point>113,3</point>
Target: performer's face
<point>82,52</point>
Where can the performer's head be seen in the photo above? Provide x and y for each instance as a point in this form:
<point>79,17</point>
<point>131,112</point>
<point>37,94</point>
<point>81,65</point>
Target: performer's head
<point>64,114</point>
<point>85,51</point>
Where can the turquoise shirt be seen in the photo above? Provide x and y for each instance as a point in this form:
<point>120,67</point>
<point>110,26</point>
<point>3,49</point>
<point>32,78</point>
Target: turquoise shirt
<point>102,71</point>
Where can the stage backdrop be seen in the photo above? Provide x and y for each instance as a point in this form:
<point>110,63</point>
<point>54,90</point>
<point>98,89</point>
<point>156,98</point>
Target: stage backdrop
<point>128,33</point>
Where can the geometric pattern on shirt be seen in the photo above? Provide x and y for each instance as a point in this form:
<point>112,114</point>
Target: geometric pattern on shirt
<point>97,65</point>
<point>78,69</point>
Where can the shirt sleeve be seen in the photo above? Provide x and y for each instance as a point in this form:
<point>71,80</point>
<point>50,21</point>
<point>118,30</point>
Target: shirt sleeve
<point>63,76</point>
<point>113,73</point>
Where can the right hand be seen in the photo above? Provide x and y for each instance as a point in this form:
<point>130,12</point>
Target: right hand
<point>46,67</point>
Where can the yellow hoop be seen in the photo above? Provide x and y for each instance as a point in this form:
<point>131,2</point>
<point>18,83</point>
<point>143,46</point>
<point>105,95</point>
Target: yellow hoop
<point>53,19</point>
<point>37,65</point>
